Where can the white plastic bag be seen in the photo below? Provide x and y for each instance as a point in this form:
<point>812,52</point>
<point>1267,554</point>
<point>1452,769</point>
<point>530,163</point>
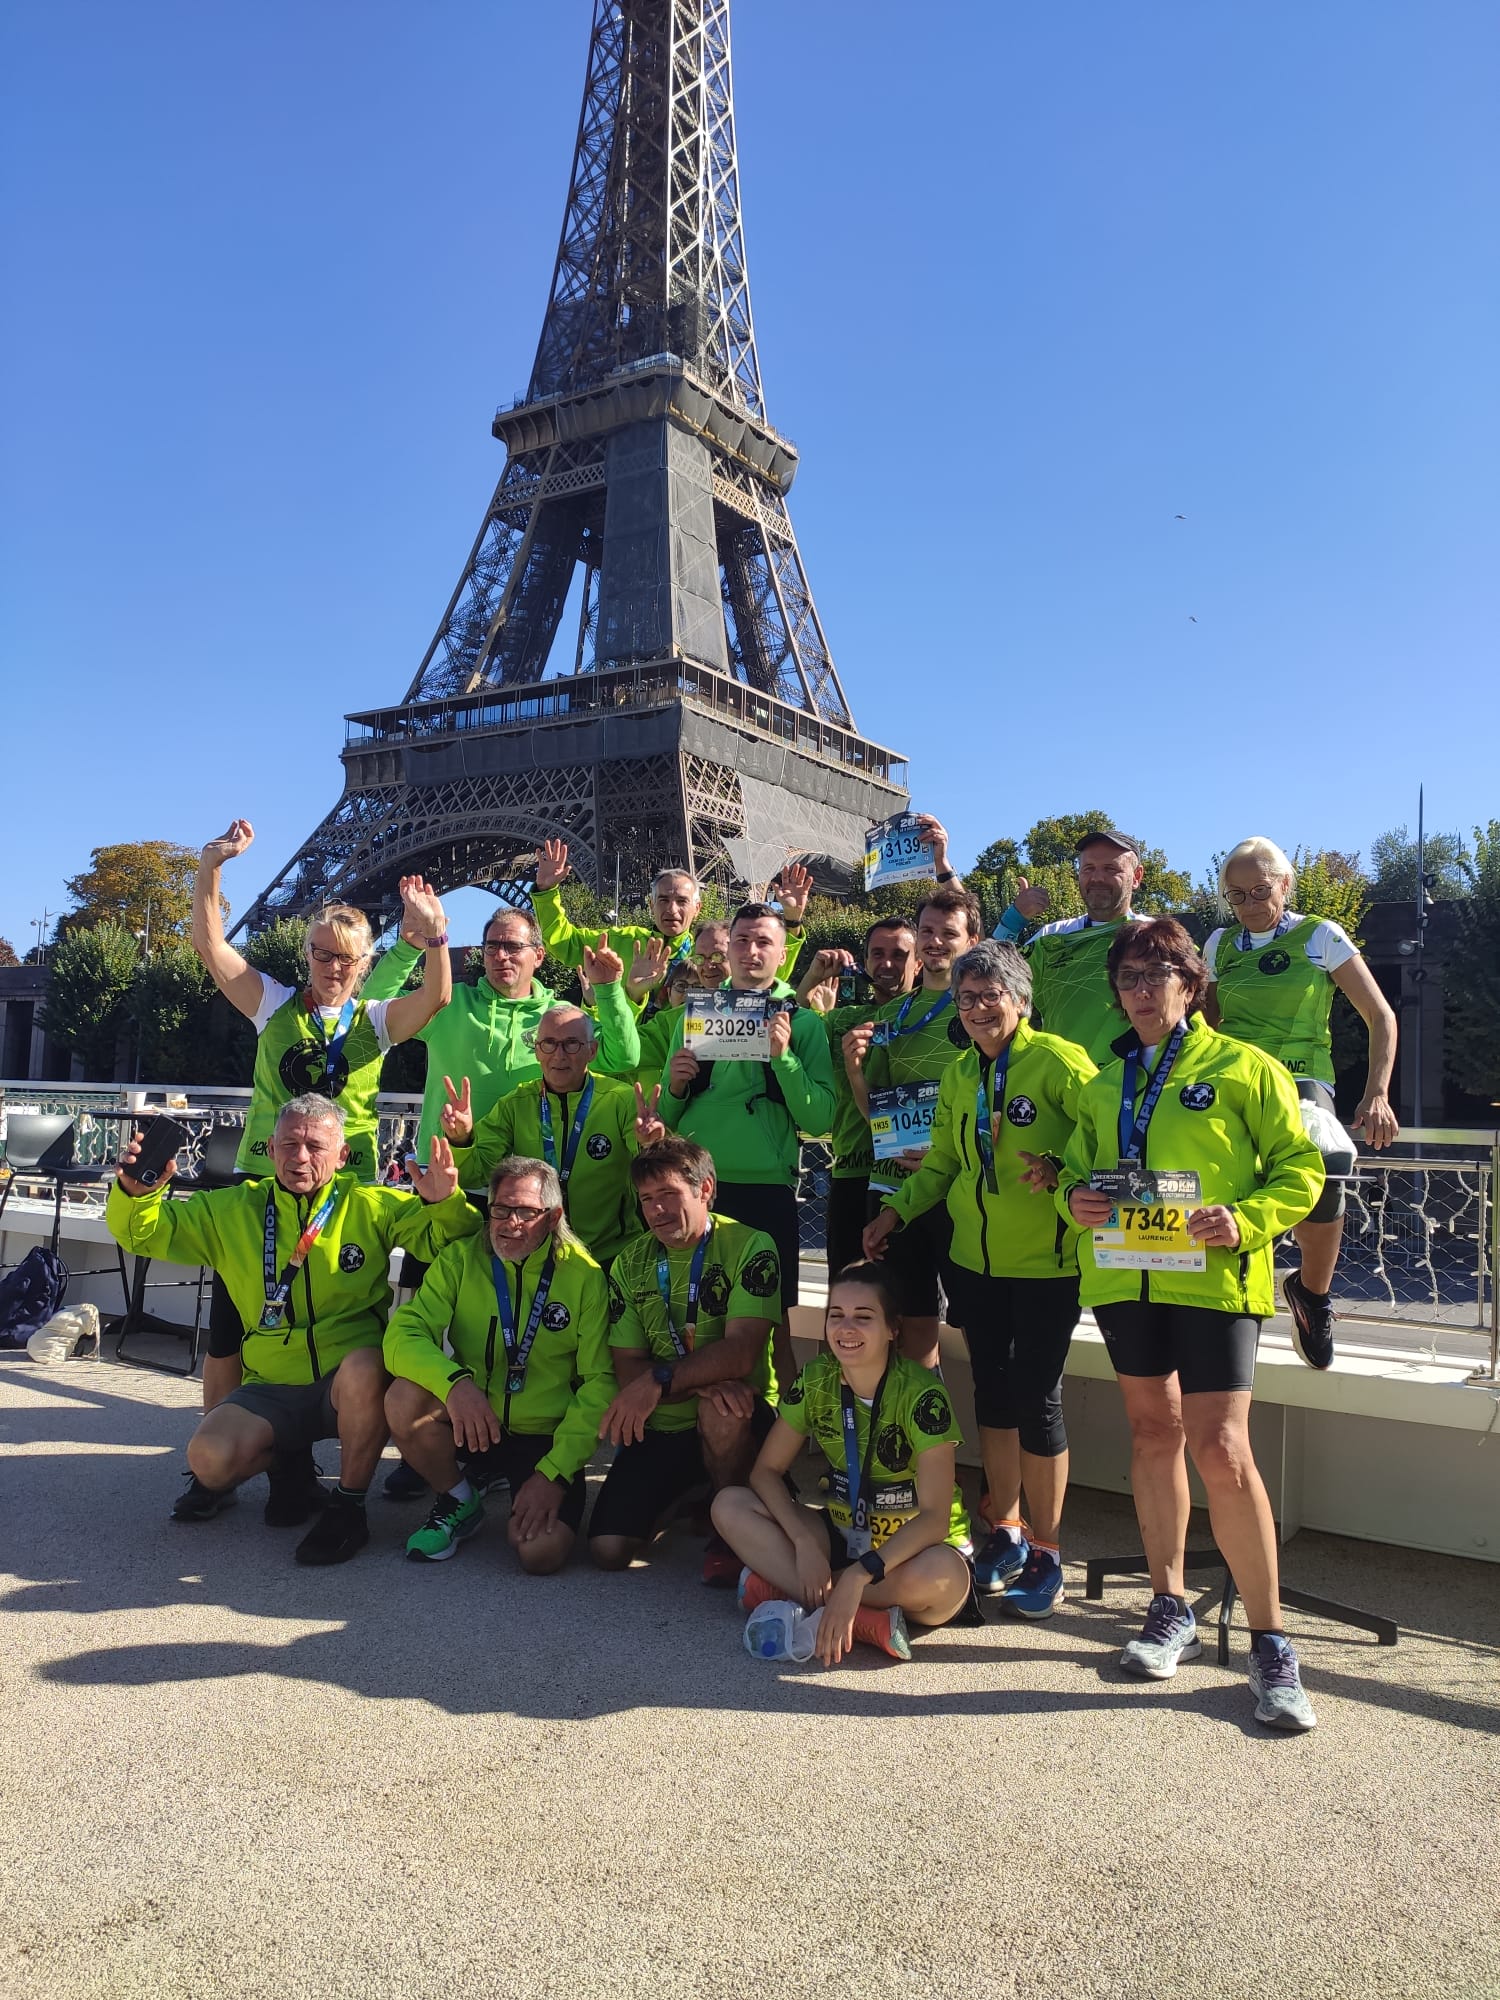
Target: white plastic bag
<point>1328,1135</point>
<point>781,1630</point>
<point>74,1330</point>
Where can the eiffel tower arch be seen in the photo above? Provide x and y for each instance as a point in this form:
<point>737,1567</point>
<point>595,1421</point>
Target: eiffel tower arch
<point>694,713</point>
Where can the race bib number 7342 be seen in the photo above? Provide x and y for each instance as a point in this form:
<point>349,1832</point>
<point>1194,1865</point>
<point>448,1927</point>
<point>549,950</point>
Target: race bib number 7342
<point>1147,1228</point>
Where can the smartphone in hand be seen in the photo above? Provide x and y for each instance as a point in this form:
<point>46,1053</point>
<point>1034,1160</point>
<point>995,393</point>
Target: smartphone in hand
<point>161,1140</point>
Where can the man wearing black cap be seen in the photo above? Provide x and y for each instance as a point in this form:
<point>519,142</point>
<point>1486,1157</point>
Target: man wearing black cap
<point>1070,989</point>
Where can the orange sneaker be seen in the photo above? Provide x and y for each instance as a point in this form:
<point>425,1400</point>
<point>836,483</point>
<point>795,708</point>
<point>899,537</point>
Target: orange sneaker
<point>755,1591</point>
<point>885,1629</point>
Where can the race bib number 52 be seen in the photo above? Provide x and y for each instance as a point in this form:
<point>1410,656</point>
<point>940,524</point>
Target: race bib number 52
<point>726,1027</point>
<point>1147,1228</point>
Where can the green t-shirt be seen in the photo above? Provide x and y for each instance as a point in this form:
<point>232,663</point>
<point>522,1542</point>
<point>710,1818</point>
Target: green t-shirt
<point>853,1156</point>
<point>741,1280</point>
<point>1275,997</point>
<point>923,1036</point>
<point>291,1059</point>
<point>915,1414</point>
<point>1070,984</point>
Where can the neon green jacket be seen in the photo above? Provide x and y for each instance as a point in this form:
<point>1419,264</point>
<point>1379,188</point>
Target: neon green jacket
<point>1231,1115</point>
<point>485,1037</point>
<point>1014,1231</point>
<point>570,1379</point>
<point>341,1295</point>
<point>599,1200</point>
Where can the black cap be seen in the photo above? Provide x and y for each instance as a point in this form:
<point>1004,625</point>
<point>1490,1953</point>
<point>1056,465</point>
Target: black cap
<point>1126,842</point>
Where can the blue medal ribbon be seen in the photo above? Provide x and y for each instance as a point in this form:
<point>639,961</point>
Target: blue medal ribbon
<point>1244,942</point>
<point>1133,1123</point>
<point>333,1039</point>
<point>516,1357</point>
<point>892,1031</point>
<point>570,1150</point>
<point>857,1474</point>
<point>279,1289</point>
<point>683,1342</point>
<point>984,1112</point>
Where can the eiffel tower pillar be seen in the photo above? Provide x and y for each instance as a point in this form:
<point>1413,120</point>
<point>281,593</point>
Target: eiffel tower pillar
<point>659,589</point>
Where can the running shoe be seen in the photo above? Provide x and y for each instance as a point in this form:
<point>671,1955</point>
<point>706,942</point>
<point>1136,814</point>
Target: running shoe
<point>450,1522</point>
<point>1038,1590</point>
<point>402,1483</point>
<point>1168,1635</point>
<point>197,1502</point>
<point>1280,1699</point>
<point>1312,1321</point>
<point>339,1532</point>
<point>883,1629</point>
<point>1000,1562</point>
<point>296,1493</point>
<point>721,1566</point>
<point>754,1591</point>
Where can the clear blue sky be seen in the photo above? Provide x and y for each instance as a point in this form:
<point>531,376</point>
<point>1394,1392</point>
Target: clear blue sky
<point>1029,282</point>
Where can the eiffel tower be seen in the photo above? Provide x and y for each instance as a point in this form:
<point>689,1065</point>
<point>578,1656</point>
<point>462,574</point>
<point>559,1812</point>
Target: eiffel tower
<point>695,715</point>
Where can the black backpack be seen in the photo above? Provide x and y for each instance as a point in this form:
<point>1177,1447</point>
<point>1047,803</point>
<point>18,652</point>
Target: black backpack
<point>30,1295</point>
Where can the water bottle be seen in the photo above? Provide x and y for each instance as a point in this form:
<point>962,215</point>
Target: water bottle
<point>781,1630</point>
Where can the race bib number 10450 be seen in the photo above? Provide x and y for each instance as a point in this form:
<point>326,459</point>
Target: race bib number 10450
<point>1147,1228</point>
<point>901,1119</point>
<point>722,1026</point>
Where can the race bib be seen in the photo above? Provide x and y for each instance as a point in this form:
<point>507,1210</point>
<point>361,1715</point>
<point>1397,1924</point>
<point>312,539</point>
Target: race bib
<point>897,851</point>
<point>727,1027</point>
<point>901,1118</point>
<point>891,1505</point>
<point>1147,1228</point>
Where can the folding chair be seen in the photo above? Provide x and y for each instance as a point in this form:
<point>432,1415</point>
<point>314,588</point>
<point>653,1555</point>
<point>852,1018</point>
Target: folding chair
<point>39,1149</point>
<point>216,1169</point>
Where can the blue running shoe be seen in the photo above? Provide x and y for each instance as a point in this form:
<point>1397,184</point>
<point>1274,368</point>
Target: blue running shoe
<point>1169,1635</point>
<point>1000,1562</point>
<point>1038,1590</point>
<point>1280,1699</point>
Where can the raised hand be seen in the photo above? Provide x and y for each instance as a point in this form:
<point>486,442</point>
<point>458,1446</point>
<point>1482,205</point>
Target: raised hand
<point>1032,903</point>
<point>127,1160</point>
<point>936,834</point>
<point>457,1115</point>
<point>439,1178</point>
<point>650,1129</point>
<point>552,864</point>
<point>421,912</point>
<point>649,958</point>
<point>229,844</point>
<point>796,887</point>
<point>602,964</point>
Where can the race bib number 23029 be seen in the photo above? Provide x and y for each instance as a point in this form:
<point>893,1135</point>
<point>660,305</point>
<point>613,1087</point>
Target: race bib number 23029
<point>722,1026</point>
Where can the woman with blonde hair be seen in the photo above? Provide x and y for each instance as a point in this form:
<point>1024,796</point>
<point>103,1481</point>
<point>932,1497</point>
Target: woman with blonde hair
<point>1272,976</point>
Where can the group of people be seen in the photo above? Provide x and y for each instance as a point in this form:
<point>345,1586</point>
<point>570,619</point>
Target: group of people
<point>600,1240</point>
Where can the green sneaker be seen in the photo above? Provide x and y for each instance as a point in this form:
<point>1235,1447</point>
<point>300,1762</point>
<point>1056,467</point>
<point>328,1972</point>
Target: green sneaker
<point>450,1522</point>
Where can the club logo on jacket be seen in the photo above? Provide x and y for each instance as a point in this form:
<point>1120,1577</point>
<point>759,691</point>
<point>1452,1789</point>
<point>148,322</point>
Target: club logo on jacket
<point>303,1068</point>
<point>351,1257</point>
<point>1196,1096</point>
<point>932,1413</point>
<point>893,1448</point>
<point>1021,1111</point>
<point>1275,961</point>
<point>556,1317</point>
<point>599,1147</point>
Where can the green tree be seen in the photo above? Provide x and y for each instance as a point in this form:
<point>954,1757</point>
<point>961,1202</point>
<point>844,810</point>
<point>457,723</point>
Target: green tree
<point>1332,884</point>
<point>126,883</point>
<point>1393,865</point>
<point>86,1009</point>
<point>8,953</point>
<point>177,1020</point>
<point>278,950</point>
<point>1047,858</point>
<point>1471,978</point>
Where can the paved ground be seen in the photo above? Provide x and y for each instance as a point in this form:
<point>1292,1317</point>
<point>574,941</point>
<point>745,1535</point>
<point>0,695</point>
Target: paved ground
<point>224,1776</point>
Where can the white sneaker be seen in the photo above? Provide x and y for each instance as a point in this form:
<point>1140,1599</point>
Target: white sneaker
<point>1168,1635</point>
<point>1280,1699</point>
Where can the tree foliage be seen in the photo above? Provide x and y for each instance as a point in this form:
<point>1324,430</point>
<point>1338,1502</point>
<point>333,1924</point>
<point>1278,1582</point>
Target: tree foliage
<point>1047,858</point>
<point>1393,865</point>
<point>1471,978</point>
<point>126,883</point>
<point>8,953</point>
<point>86,1009</point>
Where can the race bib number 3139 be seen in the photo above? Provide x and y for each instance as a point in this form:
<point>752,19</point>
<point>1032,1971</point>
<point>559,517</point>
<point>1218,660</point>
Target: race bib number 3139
<point>726,1027</point>
<point>1147,1228</point>
<point>897,851</point>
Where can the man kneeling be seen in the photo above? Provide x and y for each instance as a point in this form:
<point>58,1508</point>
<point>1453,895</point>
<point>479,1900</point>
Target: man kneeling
<point>304,1257</point>
<point>520,1397</point>
<point>691,1309</point>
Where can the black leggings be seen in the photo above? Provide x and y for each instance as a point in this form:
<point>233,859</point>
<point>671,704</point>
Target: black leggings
<point>1018,1331</point>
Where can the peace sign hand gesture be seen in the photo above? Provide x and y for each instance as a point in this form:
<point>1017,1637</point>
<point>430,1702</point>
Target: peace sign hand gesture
<point>457,1117</point>
<point>650,1129</point>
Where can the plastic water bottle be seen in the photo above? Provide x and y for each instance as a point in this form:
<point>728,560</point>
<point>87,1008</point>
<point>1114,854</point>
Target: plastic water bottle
<point>781,1630</point>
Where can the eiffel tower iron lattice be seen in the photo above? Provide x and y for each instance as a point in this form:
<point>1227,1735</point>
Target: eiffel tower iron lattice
<point>697,716</point>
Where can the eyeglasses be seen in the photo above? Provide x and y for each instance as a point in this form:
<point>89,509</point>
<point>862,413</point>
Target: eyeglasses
<point>967,1002</point>
<point>507,947</point>
<point>548,1045</point>
<point>1261,893</point>
<point>321,957</point>
<point>501,1211</point>
<point>1129,977</point>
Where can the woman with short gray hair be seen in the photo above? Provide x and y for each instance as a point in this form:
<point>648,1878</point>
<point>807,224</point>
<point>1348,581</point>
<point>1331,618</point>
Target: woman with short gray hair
<point>1005,1113</point>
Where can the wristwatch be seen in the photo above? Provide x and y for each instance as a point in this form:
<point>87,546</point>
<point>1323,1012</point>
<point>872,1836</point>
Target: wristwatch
<point>433,943</point>
<point>874,1562</point>
<point>946,875</point>
<point>661,1375</point>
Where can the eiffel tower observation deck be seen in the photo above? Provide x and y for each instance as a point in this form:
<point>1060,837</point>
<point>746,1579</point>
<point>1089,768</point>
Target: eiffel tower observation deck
<point>691,712</point>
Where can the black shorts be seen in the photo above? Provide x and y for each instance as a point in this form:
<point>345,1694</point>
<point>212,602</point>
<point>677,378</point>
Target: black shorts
<point>1018,1331</point>
<point>968,1613</point>
<point>512,1462</point>
<point>1208,1350</point>
<point>1329,1205</point>
<point>917,1259</point>
<point>299,1413</point>
<point>846,1216</point>
<point>648,1478</point>
<point>767,1206</point>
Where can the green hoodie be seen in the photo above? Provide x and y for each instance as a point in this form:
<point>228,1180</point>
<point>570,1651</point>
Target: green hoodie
<point>485,1037</point>
<point>569,1381</point>
<point>1012,1231</point>
<point>1231,1115</point>
<point>339,1298</point>
<point>749,1114</point>
<point>598,1199</point>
